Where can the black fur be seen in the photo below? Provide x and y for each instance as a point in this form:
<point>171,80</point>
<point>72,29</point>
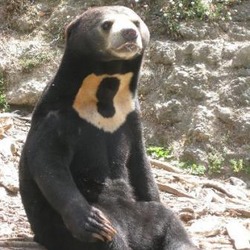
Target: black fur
<point>79,184</point>
<point>105,94</point>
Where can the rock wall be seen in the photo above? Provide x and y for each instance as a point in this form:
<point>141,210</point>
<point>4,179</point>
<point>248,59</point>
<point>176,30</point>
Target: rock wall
<point>194,93</point>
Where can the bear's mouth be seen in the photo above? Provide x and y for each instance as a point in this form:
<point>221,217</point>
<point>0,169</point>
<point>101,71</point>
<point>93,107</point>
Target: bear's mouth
<point>127,50</point>
<point>128,47</point>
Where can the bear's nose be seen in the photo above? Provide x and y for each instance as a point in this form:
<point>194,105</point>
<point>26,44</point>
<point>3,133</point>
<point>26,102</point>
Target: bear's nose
<point>129,34</point>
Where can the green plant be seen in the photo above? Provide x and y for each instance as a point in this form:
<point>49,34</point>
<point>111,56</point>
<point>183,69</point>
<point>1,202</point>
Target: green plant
<point>239,166</point>
<point>3,102</point>
<point>29,61</point>
<point>176,11</point>
<point>192,168</point>
<point>160,152</point>
<point>247,169</point>
<point>215,163</point>
<point>172,12</point>
<point>236,165</point>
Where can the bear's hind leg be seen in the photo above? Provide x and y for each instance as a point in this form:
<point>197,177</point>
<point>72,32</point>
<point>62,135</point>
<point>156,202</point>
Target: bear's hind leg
<point>118,243</point>
<point>176,237</point>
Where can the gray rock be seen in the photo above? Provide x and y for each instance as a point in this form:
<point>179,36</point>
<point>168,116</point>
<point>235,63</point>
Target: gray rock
<point>194,155</point>
<point>198,133</point>
<point>197,93</point>
<point>208,53</point>
<point>225,114</point>
<point>243,127</point>
<point>162,53</point>
<point>229,51</point>
<point>7,147</point>
<point>189,33</point>
<point>24,24</point>
<point>242,57</point>
<point>26,93</point>
<point>9,177</point>
<point>169,112</point>
<point>239,32</point>
<point>237,182</point>
<point>44,8</point>
<point>236,93</point>
<point>188,48</point>
<point>192,31</point>
<point>241,12</point>
<point>244,72</point>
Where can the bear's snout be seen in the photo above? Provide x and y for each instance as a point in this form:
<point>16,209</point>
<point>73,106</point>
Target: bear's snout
<point>129,34</point>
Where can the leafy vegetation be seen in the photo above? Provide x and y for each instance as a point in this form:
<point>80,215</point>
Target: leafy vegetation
<point>215,163</point>
<point>192,168</point>
<point>160,152</point>
<point>236,165</point>
<point>172,12</point>
<point>30,61</point>
<point>163,153</point>
<point>3,102</point>
<point>239,166</point>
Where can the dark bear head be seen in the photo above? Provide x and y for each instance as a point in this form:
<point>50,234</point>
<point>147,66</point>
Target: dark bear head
<point>108,33</point>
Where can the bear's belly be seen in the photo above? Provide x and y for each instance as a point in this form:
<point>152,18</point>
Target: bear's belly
<point>93,189</point>
<point>92,180</point>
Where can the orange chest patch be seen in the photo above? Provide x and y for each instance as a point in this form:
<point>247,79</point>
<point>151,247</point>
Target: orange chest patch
<point>105,100</point>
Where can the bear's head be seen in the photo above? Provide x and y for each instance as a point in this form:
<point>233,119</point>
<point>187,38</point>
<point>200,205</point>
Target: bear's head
<point>108,33</point>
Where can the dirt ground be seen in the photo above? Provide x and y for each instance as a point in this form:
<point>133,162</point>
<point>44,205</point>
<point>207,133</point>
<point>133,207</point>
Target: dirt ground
<point>216,213</point>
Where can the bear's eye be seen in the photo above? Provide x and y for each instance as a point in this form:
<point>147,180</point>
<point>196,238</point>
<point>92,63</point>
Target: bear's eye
<point>136,23</point>
<point>107,25</point>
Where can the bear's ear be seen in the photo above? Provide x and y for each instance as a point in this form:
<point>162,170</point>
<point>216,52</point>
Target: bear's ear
<point>70,27</point>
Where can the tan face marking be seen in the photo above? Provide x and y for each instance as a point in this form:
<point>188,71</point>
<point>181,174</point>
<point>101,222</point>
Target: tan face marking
<point>116,43</point>
<point>85,102</point>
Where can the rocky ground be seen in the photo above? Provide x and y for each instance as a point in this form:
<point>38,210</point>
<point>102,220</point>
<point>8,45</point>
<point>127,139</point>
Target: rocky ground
<point>215,212</point>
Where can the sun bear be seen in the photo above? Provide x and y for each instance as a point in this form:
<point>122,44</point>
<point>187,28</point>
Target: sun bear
<point>85,180</point>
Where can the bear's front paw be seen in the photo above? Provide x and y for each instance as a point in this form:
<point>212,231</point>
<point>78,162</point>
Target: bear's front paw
<point>90,226</point>
<point>100,227</point>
